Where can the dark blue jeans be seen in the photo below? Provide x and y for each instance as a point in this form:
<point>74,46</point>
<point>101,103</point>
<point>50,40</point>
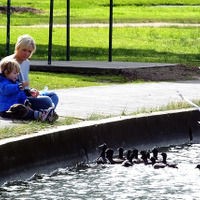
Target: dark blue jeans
<point>44,102</point>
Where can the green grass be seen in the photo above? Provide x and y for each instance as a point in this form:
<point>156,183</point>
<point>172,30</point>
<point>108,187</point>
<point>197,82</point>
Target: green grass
<point>166,44</point>
<point>173,45</point>
<point>170,106</point>
<point>60,4</point>
<point>90,11</point>
<point>29,127</point>
<point>60,81</point>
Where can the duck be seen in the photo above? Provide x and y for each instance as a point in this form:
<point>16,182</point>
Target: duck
<point>103,146</point>
<point>120,157</point>
<point>198,166</point>
<point>128,154</point>
<point>155,153</point>
<point>121,153</point>
<point>157,165</point>
<point>109,156</point>
<point>102,158</point>
<point>172,165</point>
<point>145,157</point>
<point>136,160</point>
<point>148,155</point>
<point>128,162</point>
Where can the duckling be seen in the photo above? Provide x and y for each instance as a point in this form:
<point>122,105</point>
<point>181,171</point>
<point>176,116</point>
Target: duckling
<point>102,158</point>
<point>157,165</point>
<point>173,165</point>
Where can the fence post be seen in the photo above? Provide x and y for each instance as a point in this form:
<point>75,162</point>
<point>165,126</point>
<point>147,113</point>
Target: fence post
<point>50,32</point>
<point>110,31</point>
<point>8,29</point>
<point>68,30</point>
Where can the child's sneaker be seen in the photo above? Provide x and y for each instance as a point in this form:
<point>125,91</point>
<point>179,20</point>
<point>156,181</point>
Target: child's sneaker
<point>48,115</point>
<point>53,116</point>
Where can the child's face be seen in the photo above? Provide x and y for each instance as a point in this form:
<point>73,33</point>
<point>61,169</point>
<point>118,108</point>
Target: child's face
<point>12,76</point>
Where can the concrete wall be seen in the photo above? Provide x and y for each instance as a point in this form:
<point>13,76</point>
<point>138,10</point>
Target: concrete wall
<point>70,144</point>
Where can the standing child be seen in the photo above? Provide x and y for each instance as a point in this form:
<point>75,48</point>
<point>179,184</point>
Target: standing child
<point>12,92</point>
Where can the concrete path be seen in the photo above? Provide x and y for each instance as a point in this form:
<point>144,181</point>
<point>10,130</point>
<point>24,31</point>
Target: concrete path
<point>127,98</point>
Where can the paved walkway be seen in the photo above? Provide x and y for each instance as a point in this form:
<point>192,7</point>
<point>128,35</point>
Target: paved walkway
<point>126,98</point>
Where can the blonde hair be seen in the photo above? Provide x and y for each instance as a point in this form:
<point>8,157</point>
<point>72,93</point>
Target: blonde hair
<point>9,66</point>
<point>25,41</point>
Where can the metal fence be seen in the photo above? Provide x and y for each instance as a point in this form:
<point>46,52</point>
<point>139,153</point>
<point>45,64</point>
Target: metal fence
<point>67,27</point>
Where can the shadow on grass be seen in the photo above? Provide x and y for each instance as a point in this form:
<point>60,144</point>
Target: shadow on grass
<point>101,54</point>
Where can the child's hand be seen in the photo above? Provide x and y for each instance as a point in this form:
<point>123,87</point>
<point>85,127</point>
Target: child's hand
<point>34,92</point>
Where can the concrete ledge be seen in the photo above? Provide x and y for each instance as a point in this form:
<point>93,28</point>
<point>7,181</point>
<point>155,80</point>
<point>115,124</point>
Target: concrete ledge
<point>71,144</point>
<point>91,67</point>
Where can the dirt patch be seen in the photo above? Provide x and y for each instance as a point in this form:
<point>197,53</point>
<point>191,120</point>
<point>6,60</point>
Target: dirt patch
<point>3,9</point>
<point>167,73</point>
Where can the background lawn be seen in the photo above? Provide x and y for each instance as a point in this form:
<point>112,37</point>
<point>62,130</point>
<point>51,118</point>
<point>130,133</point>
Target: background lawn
<point>169,44</point>
<point>90,11</point>
<point>165,45</point>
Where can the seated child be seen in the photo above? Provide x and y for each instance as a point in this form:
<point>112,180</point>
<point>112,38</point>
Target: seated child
<point>12,92</point>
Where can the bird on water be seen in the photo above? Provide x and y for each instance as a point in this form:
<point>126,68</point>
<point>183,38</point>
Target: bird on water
<point>172,165</point>
<point>102,157</point>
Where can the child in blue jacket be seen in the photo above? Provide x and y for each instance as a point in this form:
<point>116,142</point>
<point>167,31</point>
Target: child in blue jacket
<point>12,92</point>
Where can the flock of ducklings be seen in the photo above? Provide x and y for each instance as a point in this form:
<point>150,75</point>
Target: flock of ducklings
<point>132,157</point>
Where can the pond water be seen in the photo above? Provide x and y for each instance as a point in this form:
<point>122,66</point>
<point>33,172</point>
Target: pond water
<point>115,182</point>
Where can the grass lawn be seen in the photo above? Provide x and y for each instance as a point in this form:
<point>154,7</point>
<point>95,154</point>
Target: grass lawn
<point>172,44</point>
<point>59,81</point>
<point>165,45</point>
<point>93,11</point>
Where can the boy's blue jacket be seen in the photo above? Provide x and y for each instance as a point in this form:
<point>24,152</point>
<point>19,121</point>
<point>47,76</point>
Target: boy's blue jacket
<point>10,94</point>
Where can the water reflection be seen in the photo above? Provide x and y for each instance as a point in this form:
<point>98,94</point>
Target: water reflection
<point>113,182</point>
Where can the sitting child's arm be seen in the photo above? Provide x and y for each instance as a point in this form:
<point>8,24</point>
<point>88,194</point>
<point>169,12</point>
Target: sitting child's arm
<point>7,88</point>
